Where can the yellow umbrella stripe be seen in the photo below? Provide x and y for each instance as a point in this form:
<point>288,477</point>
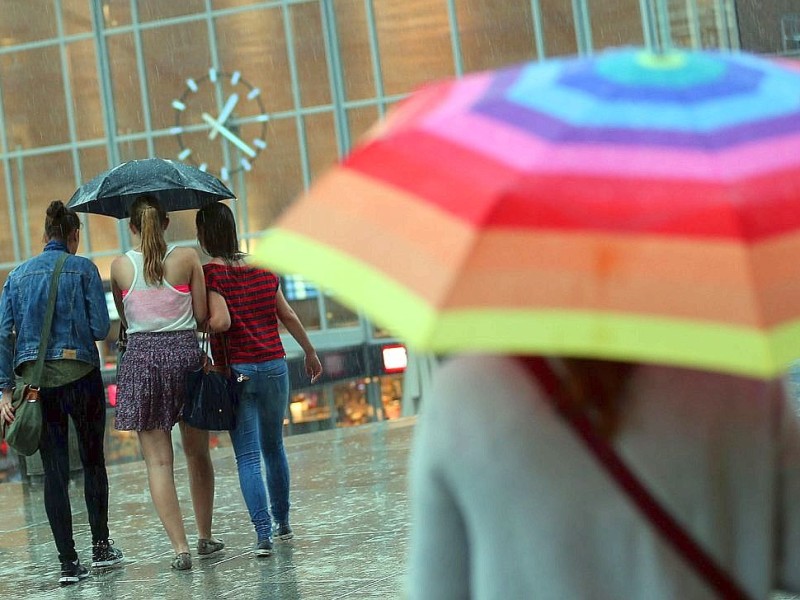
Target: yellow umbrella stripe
<point>640,338</point>
<point>646,338</point>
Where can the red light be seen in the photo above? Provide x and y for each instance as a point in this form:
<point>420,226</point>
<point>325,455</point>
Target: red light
<point>111,390</point>
<point>395,358</point>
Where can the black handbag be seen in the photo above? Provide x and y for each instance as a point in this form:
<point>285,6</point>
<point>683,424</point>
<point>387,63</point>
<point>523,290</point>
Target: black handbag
<point>25,431</point>
<point>212,394</point>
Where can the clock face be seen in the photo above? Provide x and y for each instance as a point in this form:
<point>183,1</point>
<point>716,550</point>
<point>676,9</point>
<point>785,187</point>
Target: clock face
<point>220,123</point>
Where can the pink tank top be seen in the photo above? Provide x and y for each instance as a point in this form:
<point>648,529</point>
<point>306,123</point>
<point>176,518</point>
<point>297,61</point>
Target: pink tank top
<point>156,308</point>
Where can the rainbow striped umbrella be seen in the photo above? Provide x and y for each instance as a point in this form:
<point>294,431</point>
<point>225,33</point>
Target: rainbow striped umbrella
<point>626,205</point>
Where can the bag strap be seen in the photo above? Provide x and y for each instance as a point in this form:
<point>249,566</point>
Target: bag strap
<point>692,553</point>
<point>44,336</point>
<point>205,344</point>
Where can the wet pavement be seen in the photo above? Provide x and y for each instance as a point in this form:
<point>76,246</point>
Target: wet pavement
<point>349,515</point>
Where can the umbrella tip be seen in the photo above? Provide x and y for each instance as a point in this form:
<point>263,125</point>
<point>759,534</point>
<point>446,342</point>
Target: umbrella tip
<point>666,59</point>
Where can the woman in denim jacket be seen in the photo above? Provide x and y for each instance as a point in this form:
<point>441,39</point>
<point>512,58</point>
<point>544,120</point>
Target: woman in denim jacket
<point>72,384</point>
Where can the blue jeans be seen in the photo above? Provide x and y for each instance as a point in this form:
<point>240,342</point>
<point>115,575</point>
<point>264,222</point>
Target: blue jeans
<point>259,432</point>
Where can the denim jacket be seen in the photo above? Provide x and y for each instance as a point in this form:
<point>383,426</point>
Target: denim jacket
<point>80,317</point>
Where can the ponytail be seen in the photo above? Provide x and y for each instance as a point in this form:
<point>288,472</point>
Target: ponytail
<point>148,218</point>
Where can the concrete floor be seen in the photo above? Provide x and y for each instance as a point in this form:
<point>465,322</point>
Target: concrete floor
<point>349,514</point>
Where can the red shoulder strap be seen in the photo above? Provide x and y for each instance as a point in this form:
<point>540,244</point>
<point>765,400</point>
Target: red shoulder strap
<point>691,552</point>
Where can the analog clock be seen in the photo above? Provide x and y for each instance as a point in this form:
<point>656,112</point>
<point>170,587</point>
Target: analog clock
<point>220,123</point>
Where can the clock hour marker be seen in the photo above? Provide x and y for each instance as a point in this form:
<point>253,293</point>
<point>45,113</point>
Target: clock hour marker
<point>246,164</point>
<point>176,130</point>
<point>212,75</point>
<point>253,93</point>
<point>235,77</point>
<point>192,84</point>
<point>262,118</point>
<point>259,143</point>
<point>203,167</point>
<point>185,154</point>
<point>178,105</point>
<point>224,173</point>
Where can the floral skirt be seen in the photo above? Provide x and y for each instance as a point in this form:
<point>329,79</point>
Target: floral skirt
<point>151,379</point>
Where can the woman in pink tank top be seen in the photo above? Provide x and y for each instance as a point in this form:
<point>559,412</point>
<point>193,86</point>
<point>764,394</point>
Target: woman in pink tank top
<point>165,298</point>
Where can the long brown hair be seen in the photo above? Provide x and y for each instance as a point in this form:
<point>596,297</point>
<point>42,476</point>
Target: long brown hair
<point>216,228</point>
<point>149,219</point>
<point>595,387</point>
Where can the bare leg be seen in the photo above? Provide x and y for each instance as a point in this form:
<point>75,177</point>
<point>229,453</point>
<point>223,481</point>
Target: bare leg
<point>157,450</point>
<point>201,476</point>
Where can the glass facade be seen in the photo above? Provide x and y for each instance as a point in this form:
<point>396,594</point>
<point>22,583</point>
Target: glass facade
<point>86,84</point>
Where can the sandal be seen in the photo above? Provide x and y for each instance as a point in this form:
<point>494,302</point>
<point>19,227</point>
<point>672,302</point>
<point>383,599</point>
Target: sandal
<point>182,562</point>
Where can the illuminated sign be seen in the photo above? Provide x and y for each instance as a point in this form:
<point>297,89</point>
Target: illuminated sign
<point>395,358</point>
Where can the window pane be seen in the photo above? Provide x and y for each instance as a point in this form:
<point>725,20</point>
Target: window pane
<point>309,406</point>
<point>276,178</point>
<point>297,287</point>
<point>7,247</point>
<point>414,41</point>
<point>181,227</point>
<point>101,233</point>
<point>85,90</point>
<point>230,3</point>
<point>379,332</point>
<point>27,21</point>
<point>354,46</point>
<point>392,395</point>
<point>495,33</point>
<point>320,143</point>
<point>699,25</point>
<point>308,313</point>
<point>131,150</point>
<point>302,297</point>
<point>254,43</point>
<point>125,83</point>
<point>77,16</point>
<point>559,27</point>
<point>187,56</point>
<point>625,19</point>
<point>35,113</point>
<point>3,276</point>
<point>46,178</point>
<point>152,10</point>
<point>116,13</point>
<point>309,48</point>
<point>361,120</point>
<point>338,315</point>
<point>350,401</point>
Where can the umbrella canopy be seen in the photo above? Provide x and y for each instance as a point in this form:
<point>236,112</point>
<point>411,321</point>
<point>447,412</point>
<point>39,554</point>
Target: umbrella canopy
<point>177,186</point>
<point>625,205</point>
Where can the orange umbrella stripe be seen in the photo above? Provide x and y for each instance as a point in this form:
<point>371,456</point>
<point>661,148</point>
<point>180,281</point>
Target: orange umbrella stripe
<point>510,268</point>
<point>392,230</point>
<point>649,338</point>
<point>711,279</point>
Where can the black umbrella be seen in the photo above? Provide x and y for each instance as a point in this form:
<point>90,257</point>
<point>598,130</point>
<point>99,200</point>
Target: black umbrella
<point>176,186</point>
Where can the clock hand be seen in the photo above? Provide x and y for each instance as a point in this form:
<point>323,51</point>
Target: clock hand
<point>224,114</point>
<point>230,135</point>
